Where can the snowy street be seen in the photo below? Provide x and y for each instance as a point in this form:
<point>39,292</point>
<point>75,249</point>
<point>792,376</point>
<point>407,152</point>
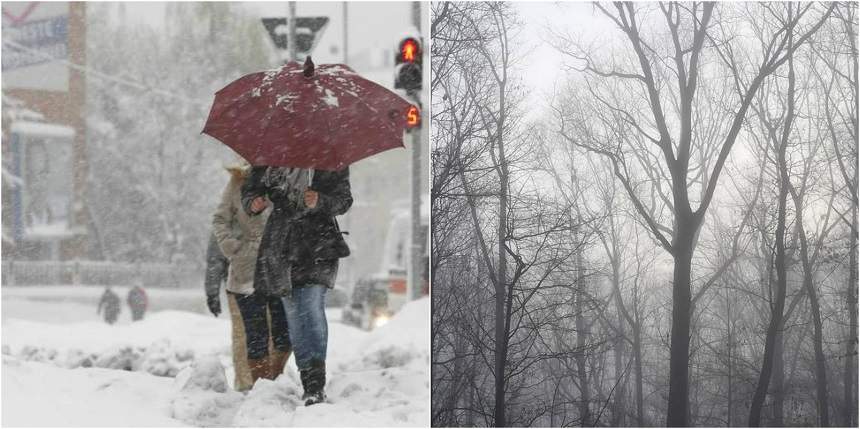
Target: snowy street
<point>63,366</point>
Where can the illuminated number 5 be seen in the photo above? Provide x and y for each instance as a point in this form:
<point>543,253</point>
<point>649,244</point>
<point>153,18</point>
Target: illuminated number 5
<point>412,117</point>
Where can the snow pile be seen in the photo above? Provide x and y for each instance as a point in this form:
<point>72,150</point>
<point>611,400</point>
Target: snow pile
<point>375,379</point>
<point>269,404</point>
<point>164,359</point>
<point>185,331</point>
<point>204,398</point>
<point>38,394</point>
<point>204,375</point>
<point>388,383</point>
<point>160,358</point>
<point>122,357</point>
<point>76,358</point>
<point>402,340</point>
<point>37,354</point>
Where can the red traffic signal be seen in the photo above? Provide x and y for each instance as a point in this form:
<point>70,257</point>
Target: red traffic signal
<point>408,61</point>
<point>413,118</point>
<point>409,50</point>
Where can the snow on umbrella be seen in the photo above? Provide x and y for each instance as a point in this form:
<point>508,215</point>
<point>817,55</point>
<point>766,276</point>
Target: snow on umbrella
<point>324,118</point>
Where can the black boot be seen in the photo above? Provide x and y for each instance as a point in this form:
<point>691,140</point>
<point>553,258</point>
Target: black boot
<point>313,381</point>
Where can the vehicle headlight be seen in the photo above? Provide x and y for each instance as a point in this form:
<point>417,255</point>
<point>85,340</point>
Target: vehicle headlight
<point>380,320</point>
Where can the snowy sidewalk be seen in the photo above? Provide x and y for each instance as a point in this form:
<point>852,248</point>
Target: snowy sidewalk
<point>375,379</point>
<point>43,395</point>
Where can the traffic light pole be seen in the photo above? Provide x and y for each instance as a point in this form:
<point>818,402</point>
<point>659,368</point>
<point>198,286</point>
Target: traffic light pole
<point>345,6</point>
<point>291,23</point>
<point>415,250</point>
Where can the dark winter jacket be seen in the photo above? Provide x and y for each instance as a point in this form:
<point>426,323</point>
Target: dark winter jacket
<point>110,303</point>
<point>137,298</point>
<point>300,247</point>
<point>137,302</point>
<point>216,267</point>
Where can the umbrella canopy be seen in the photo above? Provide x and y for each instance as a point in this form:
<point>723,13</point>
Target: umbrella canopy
<point>325,117</point>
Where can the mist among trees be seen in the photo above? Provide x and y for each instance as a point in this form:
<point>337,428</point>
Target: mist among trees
<point>667,239</point>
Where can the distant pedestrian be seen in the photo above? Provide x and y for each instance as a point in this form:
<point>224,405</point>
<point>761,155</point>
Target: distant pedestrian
<point>137,302</point>
<point>267,342</point>
<point>110,303</point>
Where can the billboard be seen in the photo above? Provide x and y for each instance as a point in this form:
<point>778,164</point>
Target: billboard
<point>36,46</point>
<point>42,160</point>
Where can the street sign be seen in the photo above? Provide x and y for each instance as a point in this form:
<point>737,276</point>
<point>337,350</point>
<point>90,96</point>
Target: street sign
<point>35,45</point>
<point>308,32</point>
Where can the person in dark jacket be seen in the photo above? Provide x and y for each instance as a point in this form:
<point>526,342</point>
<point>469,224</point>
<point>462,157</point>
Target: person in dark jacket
<point>298,255</point>
<point>110,303</point>
<point>137,302</point>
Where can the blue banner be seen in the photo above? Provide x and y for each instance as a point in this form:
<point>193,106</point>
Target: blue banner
<point>36,42</point>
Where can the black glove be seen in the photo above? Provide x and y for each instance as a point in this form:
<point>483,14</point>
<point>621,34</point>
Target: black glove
<point>214,304</point>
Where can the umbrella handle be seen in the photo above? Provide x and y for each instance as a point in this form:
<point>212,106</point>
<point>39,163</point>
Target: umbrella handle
<point>310,178</point>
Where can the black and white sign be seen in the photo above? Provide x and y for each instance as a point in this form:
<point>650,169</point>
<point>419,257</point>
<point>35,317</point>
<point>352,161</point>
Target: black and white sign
<point>308,32</point>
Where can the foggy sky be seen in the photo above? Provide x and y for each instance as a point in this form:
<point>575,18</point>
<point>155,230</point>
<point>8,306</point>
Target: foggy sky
<point>371,24</point>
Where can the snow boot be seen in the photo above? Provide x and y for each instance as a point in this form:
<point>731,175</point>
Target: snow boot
<point>313,382</point>
<point>314,398</point>
<point>278,360</point>
<point>260,368</point>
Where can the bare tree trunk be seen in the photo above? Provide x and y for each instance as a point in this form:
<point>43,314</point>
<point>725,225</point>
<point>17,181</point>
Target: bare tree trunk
<point>778,308</point>
<point>849,417</point>
<point>679,398</point>
<point>470,416</point>
<point>501,334</point>
<point>581,338</point>
<point>501,279</point>
<point>620,394</point>
<point>818,338</point>
<point>850,414</point>
<point>779,380</point>
<point>637,356</point>
<point>729,347</point>
<point>815,307</point>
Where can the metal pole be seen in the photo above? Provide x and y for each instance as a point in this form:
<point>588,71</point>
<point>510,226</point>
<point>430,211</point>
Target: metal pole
<point>291,22</point>
<point>345,32</point>
<point>415,249</point>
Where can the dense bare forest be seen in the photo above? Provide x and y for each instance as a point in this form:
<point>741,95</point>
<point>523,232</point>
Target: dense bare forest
<point>669,238</point>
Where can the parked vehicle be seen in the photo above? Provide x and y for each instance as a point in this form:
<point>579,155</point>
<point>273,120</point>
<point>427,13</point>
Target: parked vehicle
<point>376,298</point>
<point>368,307</point>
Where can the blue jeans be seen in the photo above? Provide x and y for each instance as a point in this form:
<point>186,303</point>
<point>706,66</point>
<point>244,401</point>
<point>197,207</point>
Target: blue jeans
<point>305,308</point>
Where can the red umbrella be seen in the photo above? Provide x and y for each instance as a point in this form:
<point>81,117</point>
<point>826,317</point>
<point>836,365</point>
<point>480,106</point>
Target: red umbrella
<point>325,118</point>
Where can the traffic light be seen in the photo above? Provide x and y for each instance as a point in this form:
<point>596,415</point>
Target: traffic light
<point>413,118</point>
<point>407,72</point>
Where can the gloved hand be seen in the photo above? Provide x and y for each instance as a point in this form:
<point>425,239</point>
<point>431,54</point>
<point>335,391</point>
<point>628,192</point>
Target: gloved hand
<point>214,304</point>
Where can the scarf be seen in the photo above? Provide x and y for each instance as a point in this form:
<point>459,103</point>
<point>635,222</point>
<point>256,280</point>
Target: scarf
<point>291,181</point>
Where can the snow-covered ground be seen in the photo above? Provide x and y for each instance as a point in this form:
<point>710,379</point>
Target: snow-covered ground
<point>63,366</point>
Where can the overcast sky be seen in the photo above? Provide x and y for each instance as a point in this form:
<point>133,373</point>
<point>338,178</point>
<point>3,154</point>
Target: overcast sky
<point>542,63</point>
<point>371,24</point>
